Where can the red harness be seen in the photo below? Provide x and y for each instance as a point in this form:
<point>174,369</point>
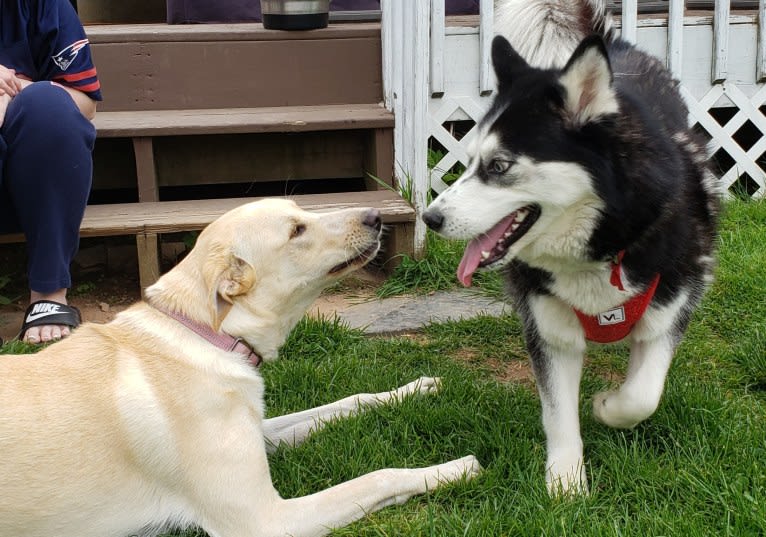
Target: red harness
<point>616,324</point>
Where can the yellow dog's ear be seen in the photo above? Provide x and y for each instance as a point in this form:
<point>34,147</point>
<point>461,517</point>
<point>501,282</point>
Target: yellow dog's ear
<point>226,276</point>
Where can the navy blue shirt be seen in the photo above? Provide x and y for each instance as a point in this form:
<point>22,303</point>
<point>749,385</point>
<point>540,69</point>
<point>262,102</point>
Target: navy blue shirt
<point>44,40</point>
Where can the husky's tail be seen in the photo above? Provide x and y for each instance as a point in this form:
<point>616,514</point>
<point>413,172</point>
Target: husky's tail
<point>546,32</point>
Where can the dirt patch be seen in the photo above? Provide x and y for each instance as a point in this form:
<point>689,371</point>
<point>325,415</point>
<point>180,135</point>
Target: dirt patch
<point>611,376</point>
<point>100,300</point>
<point>519,371</point>
<point>513,371</point>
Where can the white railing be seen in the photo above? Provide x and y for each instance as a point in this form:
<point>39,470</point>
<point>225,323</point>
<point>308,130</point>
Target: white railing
<point>435,74</point>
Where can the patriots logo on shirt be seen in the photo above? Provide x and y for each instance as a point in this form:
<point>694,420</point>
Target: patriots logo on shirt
<point>67,55</point>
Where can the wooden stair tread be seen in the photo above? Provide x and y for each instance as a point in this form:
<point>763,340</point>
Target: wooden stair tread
<point>242,120</point>
<point>193,215</point>
<point>160,32</point>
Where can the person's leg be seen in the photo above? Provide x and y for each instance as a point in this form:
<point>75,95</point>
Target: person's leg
<point>47,176</point>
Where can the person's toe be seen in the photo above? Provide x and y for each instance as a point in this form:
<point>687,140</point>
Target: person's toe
<point>32,335</point>
<point>56,333</point>
<point>46,333</point>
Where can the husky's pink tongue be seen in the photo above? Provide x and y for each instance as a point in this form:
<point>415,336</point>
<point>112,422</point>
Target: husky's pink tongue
<point>482,243</point>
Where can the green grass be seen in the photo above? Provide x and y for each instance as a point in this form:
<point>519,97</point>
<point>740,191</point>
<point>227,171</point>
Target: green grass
<point>696,468</point>
<point>436,272</point>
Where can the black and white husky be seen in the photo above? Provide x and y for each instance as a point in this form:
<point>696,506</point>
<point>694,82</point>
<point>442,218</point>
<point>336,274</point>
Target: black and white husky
<point>587,188</point>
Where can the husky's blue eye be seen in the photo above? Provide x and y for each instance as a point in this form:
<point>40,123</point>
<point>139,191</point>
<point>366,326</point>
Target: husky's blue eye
<point>499,166</point>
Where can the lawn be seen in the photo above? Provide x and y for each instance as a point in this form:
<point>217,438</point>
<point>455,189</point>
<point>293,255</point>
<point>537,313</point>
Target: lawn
<point>696,468</point>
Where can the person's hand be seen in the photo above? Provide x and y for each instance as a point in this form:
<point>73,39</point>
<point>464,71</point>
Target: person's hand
<point>5,100</point>
<point>10,84</point>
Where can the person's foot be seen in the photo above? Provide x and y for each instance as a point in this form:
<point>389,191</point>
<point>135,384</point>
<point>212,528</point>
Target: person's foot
<point>46,333</point>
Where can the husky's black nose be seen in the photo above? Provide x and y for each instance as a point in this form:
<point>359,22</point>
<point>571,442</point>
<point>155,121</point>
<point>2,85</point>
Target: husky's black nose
<point>372,219</point>
<point>433,219</point>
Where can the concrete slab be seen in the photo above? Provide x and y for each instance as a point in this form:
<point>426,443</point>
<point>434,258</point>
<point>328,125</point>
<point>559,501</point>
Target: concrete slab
<point>411,313</point>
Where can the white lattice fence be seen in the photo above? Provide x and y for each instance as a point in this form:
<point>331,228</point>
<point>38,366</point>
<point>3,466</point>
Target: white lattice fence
<point>744,147</point>
<point>448,108</point>
<point>719,58</point>
<point>745,174</point>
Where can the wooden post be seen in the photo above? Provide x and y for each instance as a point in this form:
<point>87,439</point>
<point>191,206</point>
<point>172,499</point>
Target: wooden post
<point>415,74</point>
<point>486,34</point>
<point>438,15</point>
<point>720,41</point>
<point>392,44</point>
<point>378,158</point>
<point>146,169</point>
<point>761,61</point>
<point>676,36</point>
<point>148,258</point>
<point>629,28</point>
<point>406,53</point>
<point>389,44</point>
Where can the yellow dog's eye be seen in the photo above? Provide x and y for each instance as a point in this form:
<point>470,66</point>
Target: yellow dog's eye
<point>298,230</point>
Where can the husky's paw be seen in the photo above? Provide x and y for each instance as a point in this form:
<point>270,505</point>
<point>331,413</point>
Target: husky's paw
<point>566,477</point>
<point>611,408</point>
<point>424,385</point>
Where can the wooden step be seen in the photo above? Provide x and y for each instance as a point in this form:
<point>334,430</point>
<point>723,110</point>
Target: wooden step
<point>370,126</point>
<point>147,220</point>
<point>242,120</point>
<point>191,215</point>
<point>172,67</point>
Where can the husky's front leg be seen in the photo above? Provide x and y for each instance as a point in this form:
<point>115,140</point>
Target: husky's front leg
<point>640,394</point>
<point>654,341</point>
<point>292,429</point>
<point>556,346</point>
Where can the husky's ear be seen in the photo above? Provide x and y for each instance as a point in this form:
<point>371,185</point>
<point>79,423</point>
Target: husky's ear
<point>587,79</point>
<point>506,61</point>
<point>226,276</point>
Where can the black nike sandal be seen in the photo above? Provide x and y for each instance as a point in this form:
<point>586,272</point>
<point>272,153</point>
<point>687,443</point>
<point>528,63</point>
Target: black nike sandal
<point>48,312</point>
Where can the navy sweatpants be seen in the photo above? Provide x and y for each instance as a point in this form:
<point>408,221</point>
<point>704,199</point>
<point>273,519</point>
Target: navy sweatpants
<point>46,169</point>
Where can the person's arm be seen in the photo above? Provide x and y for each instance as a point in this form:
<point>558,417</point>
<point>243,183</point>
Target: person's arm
<point>86,105</point>
<point>66,56</point>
